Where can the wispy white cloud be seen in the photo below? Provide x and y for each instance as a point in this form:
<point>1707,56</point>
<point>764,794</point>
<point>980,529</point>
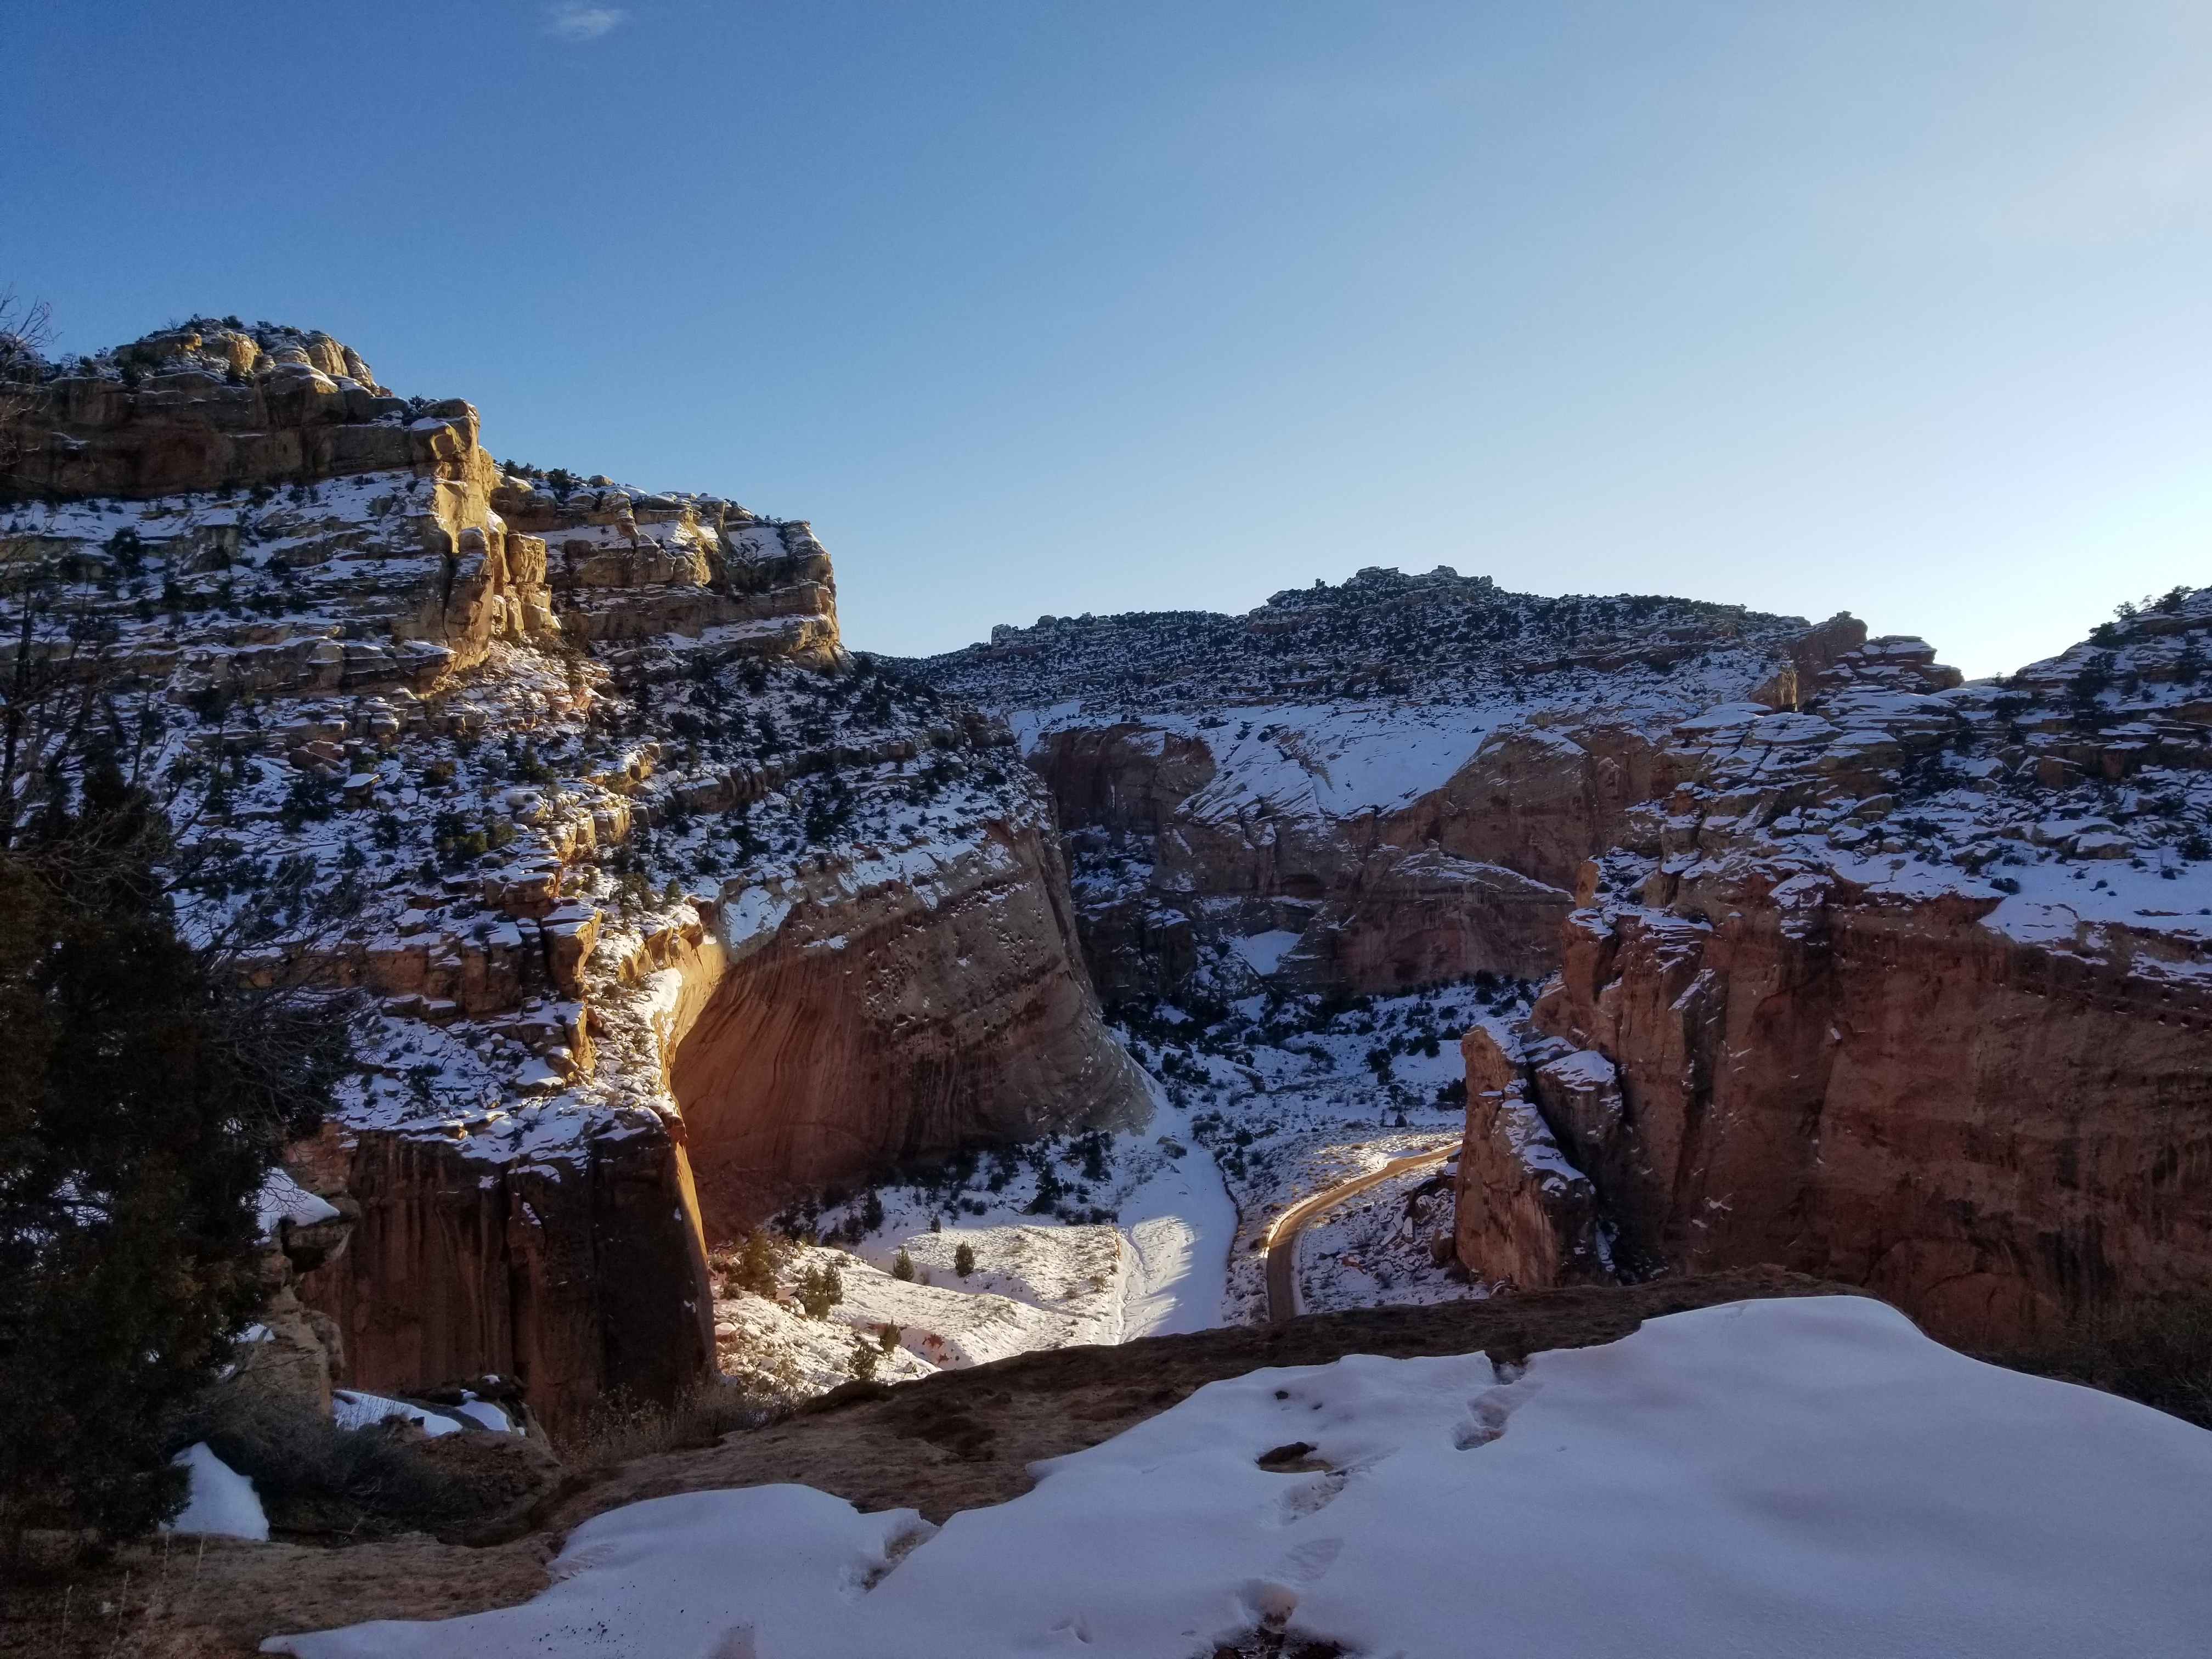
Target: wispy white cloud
<point>574,20</point>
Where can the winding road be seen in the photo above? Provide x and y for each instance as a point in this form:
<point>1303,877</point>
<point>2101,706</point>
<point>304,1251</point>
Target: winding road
<point>1283,1236</point>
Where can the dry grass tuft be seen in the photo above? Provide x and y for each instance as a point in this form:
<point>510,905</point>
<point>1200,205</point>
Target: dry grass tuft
<point>621,1430</point>
<point>2159,1356</point>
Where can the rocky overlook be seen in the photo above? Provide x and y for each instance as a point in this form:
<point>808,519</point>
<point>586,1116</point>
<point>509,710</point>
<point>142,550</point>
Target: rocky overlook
<point>667,905</point>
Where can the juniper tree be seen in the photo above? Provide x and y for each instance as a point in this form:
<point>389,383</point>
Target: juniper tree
<point>149,1092</point>
<point>820,1289</point>
<point>757,1263</point>
<point>149,1088</point>
<point>865,1357</point>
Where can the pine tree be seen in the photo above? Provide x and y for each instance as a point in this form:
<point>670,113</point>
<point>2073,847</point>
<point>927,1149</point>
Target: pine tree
<point>964,1260</point>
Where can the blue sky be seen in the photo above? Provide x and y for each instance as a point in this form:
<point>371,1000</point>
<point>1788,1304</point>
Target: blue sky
<point>1044,306</point>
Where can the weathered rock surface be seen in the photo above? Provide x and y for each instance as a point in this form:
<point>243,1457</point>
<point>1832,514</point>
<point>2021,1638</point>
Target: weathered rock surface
<point>1871,998</point>
<point>899,1009</point>
<point>214,405</point>
<point>1420,918</point>
<point>569,1274</point>
<point>1994,1136</point>
<point>1433,761</point>
<point>554,768</point>
<point>1522,1210</point>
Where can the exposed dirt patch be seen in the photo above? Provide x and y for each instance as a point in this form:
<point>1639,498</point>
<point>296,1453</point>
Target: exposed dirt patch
<point>954,1440</point>
<point>187,1602</point>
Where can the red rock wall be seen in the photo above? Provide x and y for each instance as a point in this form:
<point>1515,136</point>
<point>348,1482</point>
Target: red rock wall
<point>1410,919</point>
<point>1128,778</point>
<point>1522,1216</point>
<point>583,1277</point>
<point>898,1025</point>
<point>1469,878</point>
<point>1540,802</point>
<point>1993,1136</point>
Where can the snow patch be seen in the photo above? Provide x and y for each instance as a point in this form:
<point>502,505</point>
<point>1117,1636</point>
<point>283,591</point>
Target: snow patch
<point>352,1409</point>
<point>1266,952</point>
<point>282,1198</point>
<point>1795,1479</point>
<point>223,1504</point>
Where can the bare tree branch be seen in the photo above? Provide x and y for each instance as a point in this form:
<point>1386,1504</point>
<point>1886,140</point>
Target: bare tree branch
<point>27,329</point>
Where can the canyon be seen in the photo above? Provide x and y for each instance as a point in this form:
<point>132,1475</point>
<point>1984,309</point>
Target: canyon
<point>1834,961</point>
<point>661,912</point>
<point>1915,984</point>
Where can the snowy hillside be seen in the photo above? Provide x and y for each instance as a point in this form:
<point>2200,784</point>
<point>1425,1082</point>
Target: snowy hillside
<point>570,789</point>
<point>2070,802</point>
<point>1099,1238</point>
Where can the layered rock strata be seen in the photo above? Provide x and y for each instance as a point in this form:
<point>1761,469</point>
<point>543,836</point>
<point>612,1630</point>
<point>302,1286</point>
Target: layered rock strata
<point>577,787</point>
<point>1356,789</point>
<point>1912,987</point>
<point>1857,968</point>
<point>829,1046</point>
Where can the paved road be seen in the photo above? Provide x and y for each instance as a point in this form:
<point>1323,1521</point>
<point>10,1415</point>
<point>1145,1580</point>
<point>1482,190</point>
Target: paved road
<point>1283,1237</point>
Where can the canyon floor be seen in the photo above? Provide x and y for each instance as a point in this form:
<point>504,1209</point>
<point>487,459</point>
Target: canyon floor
<point>1104,1237</point>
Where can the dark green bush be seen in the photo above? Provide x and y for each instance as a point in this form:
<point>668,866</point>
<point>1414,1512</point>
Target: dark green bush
<point>314,1477</point>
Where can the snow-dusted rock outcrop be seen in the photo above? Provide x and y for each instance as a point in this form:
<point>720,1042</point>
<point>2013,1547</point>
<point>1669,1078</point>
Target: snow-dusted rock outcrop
<point>577,785</point>
<point>1401,773</point>
<point>1861,970</point>
<point>1911,987</point>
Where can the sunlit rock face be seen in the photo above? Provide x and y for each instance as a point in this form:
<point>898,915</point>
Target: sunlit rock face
<point>900,1006</point>
<point>577,787</point>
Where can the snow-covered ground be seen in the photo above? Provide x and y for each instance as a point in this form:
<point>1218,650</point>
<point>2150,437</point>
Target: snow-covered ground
<point>1094,1239</point>
<point>1292,1095</point>
<point>1374,1248</point>
<point>1101,1238</point>
<point>1794,1480</point>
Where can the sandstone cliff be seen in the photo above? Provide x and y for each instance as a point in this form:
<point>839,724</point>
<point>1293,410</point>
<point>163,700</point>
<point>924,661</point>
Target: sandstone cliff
<point>1911,986</point>
<point>905,1003</point>
<point>578,787</point>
